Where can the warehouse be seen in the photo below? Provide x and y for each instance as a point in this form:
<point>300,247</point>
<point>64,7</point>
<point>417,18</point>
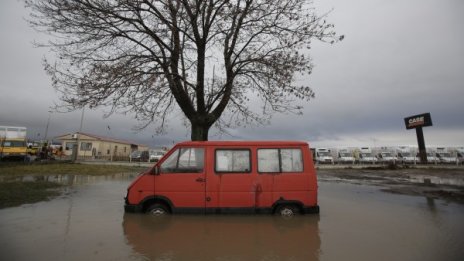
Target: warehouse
<point>97,147</point>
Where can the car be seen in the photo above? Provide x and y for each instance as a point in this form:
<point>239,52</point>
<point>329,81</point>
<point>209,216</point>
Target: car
<point>139,156</point>
<point>155,156</point>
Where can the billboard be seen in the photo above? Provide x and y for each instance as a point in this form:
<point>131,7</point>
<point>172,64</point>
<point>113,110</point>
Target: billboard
<point>420,120</point>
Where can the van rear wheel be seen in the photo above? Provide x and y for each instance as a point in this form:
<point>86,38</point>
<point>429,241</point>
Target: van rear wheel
<point>157,210</point>
<point>287,211</point>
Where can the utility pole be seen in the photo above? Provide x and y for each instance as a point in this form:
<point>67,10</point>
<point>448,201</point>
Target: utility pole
<point>79,137</point>
<point>46,128</point>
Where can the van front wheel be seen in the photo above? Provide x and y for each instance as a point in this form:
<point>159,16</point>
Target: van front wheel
<point>157,210</point>
<point>287,211</point>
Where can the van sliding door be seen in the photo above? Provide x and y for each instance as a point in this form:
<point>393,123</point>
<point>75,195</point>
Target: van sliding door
<point>230,184</point>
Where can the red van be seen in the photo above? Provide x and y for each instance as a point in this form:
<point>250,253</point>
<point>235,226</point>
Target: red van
<point>275,177</point>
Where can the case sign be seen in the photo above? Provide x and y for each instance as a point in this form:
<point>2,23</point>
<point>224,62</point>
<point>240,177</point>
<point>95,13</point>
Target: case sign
<point>421,120</point>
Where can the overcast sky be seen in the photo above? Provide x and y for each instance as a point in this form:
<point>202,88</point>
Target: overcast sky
<point>398,58</point>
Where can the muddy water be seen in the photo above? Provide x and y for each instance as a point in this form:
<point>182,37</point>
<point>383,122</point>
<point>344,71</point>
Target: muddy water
<point>356,223</point>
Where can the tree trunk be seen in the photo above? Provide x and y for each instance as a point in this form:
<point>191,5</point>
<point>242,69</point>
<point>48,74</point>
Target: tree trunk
<point>200,132</point>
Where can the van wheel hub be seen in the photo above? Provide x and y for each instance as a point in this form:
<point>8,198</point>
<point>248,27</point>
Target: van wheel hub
<point>287,212</point>
<point>157,212</point>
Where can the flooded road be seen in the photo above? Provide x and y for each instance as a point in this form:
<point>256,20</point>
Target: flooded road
<point>356,222</point>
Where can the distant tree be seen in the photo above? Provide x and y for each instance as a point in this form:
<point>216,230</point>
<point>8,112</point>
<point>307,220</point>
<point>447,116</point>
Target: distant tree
<point>208,56</point>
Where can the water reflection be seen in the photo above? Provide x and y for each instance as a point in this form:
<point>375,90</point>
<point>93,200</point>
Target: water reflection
<point>69,179</point>
<point>223,237</point>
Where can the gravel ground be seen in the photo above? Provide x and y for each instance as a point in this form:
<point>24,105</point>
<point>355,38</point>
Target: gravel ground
<point>446,184</point>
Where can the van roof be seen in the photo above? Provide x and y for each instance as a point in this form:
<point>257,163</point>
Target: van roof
<point>244,143</point>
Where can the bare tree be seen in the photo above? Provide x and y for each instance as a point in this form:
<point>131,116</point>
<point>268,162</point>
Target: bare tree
<point>206,56</point>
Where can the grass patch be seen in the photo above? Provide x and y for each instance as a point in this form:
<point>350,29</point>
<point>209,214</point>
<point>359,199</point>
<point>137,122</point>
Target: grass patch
<point>21,169</point>
<point>17,193</point>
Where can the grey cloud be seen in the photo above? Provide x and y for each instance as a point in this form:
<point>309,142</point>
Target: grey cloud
<point>398,58</point>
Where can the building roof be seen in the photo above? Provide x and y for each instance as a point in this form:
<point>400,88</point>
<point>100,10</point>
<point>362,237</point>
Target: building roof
<point>100,138</point>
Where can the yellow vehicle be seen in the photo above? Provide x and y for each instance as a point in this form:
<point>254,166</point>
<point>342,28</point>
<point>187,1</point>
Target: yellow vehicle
<point>33,148</point>
<point>13,143</point>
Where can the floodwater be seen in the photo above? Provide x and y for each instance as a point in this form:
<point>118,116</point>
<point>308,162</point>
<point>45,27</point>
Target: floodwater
<point>356,222</point>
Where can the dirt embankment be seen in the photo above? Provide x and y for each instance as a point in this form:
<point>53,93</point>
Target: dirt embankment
<point>446,184</point>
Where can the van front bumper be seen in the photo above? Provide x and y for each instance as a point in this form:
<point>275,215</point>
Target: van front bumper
<point>132,208</point>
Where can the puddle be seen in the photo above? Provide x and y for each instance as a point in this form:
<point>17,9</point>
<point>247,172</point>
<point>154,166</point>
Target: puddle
<point>69,179</point>
<point>356,223</point>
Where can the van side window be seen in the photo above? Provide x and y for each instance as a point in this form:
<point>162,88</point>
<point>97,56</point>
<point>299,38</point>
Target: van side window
<point>268,160</point>
<point>232,161</point>
<point>184,160</point>
<point>280,160</point>
<point>292,160</point>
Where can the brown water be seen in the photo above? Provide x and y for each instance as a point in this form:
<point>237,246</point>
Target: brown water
<point>356,223</point>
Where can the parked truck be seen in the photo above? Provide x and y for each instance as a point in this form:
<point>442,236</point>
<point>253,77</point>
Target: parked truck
<point>345,156</point>
<point>324,155</point>
<point>386,156</point>
<point>406,155</point>
<point>460,155</point>
<point>444,156</point>
<point>432,157</point>
<point>366,156</point>
<point>13,144</point>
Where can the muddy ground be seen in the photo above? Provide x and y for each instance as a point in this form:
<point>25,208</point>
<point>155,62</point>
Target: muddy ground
<point>445,184</point>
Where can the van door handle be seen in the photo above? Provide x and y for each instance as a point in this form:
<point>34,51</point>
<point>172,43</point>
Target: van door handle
<point>200,180</point>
